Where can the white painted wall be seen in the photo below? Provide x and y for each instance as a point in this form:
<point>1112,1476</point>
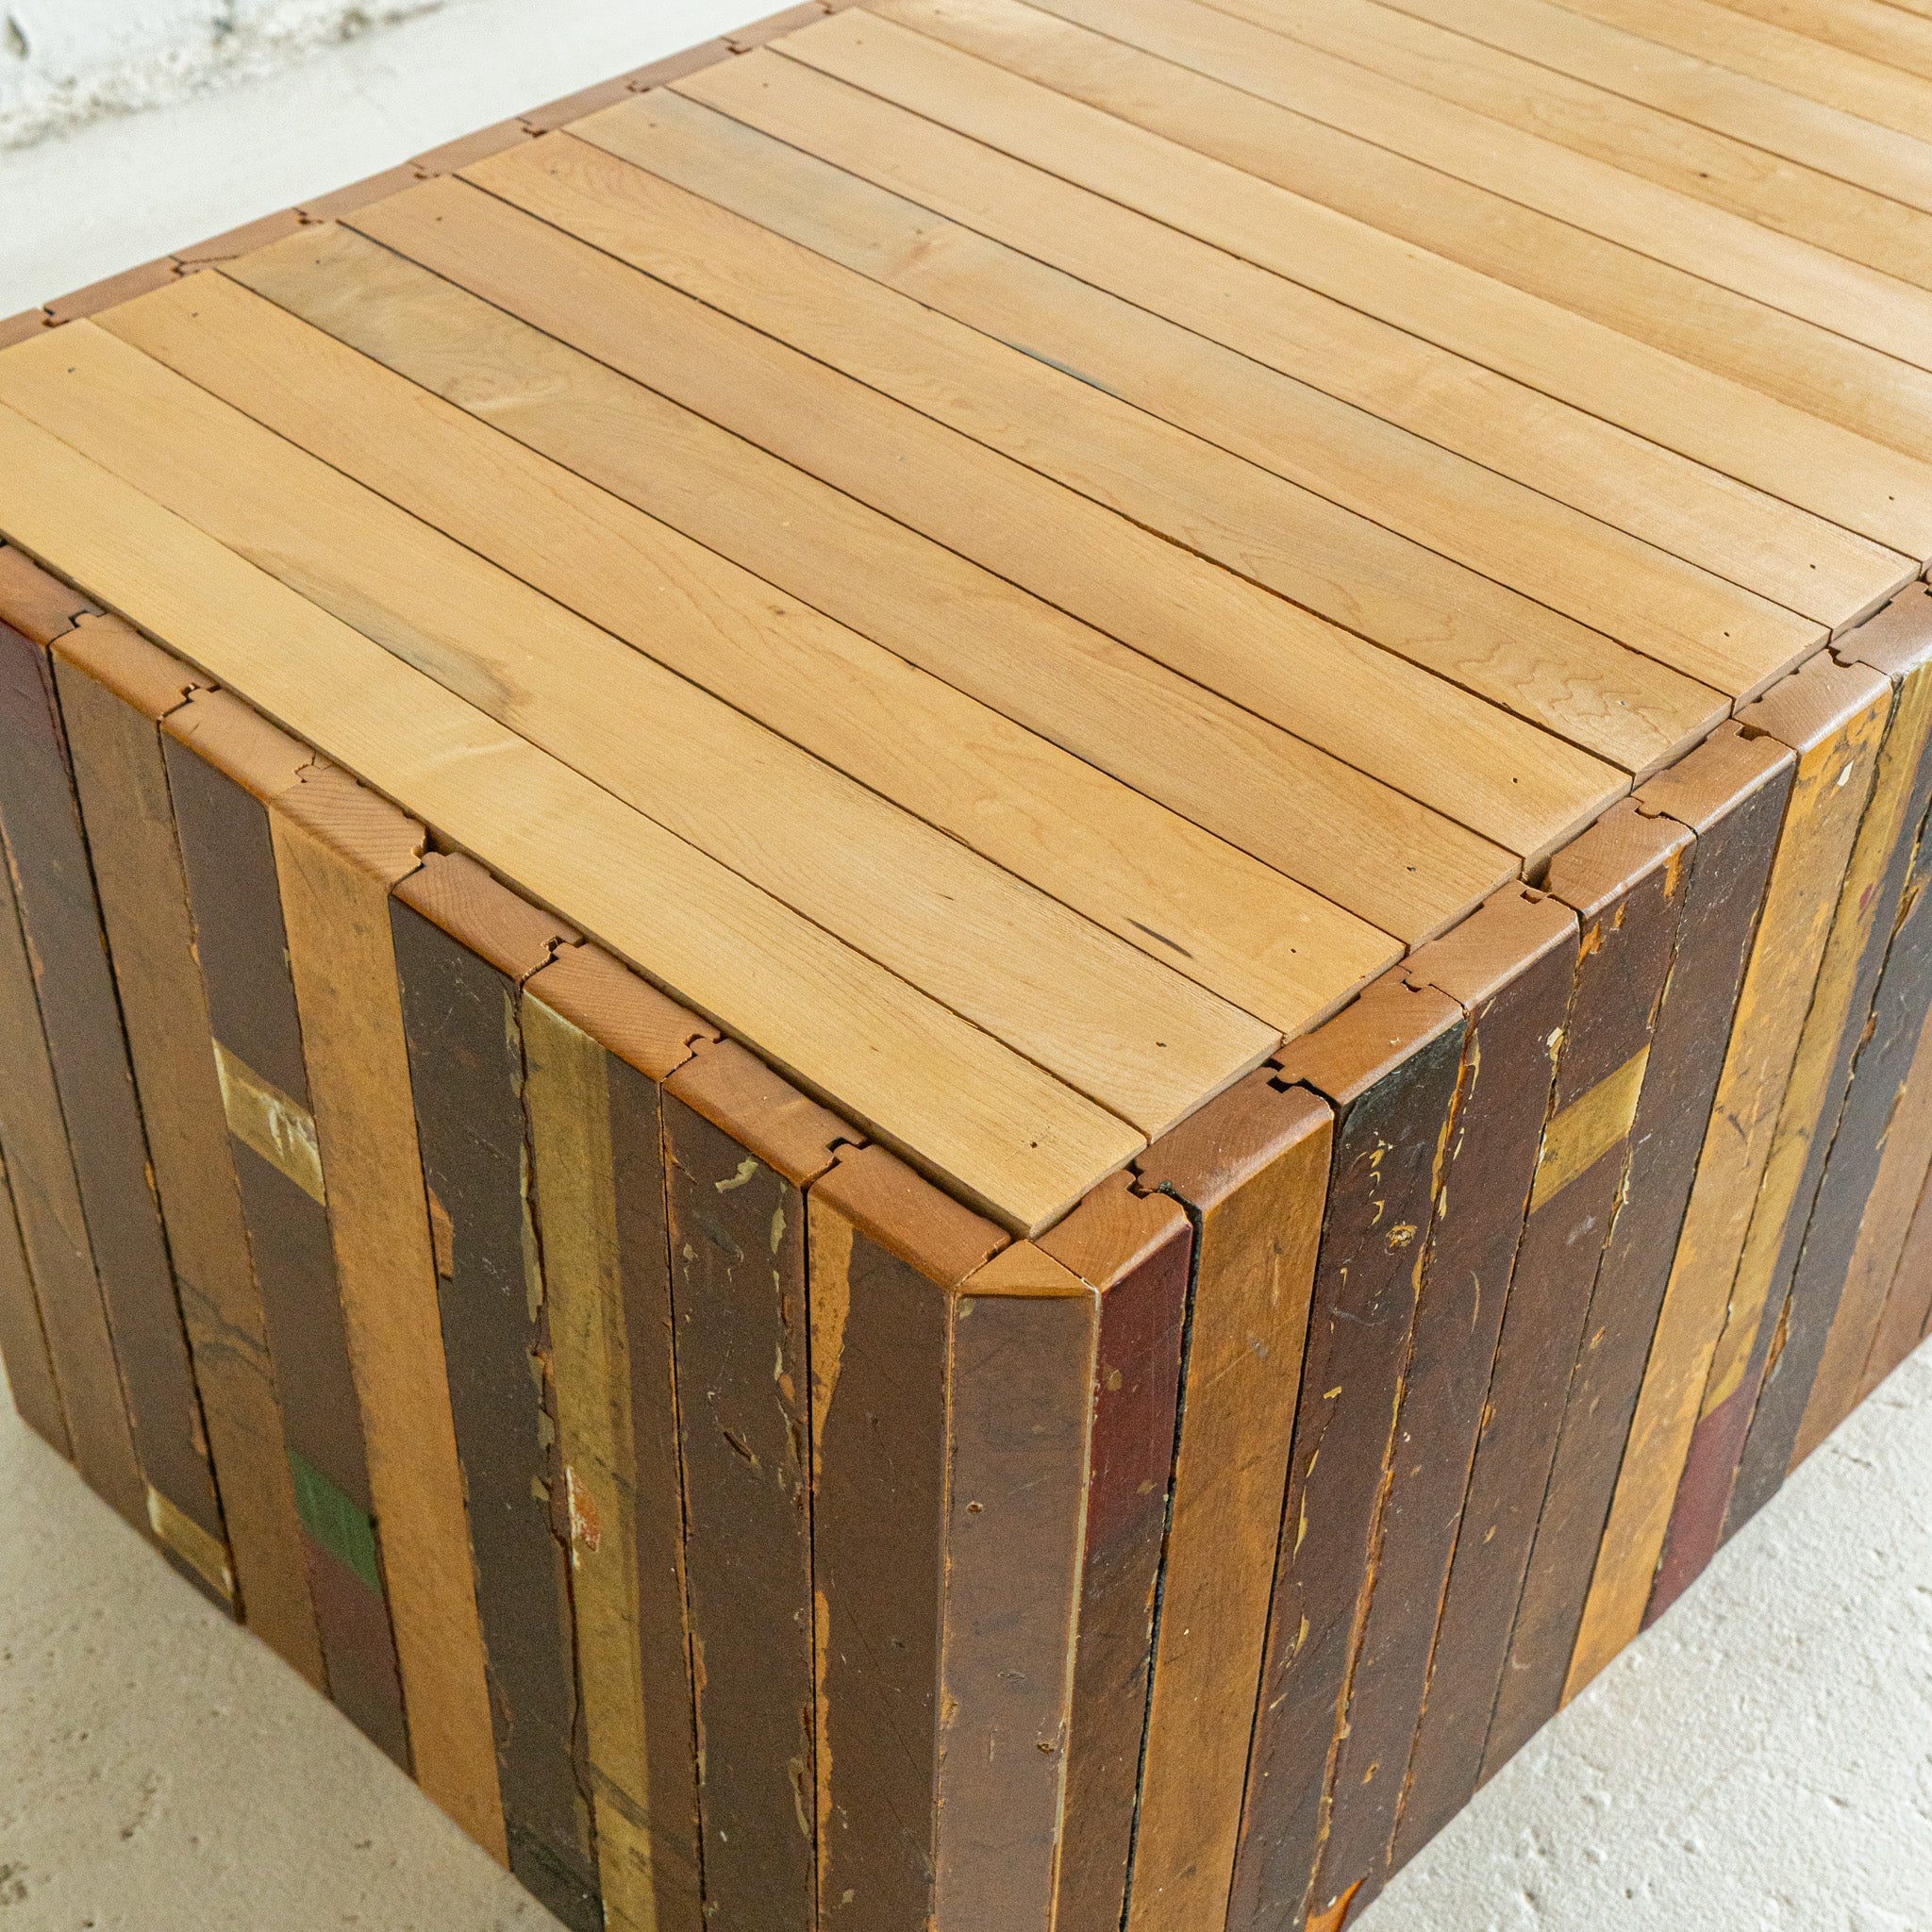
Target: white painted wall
<point>64,62</point>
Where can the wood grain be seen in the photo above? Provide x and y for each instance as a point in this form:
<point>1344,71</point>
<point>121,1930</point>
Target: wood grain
<point>1251,1169</point>
<point>795,993</point>
<point>463,948</point>
<point>1833,717</point>
<point>23,1338</point>
<point>1389,1066</point>
<point>1287,425</point>
<point>115,689</point>
<point>1731,794</point>
<point>1098,845</point>
<point>339,850</point>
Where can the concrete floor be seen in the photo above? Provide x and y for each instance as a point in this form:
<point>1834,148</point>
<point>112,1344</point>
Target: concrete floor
<point>1762,1759</point>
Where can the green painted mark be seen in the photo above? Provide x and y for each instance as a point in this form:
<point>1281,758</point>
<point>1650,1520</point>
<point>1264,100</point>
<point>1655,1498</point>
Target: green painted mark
<point>334,1521</point>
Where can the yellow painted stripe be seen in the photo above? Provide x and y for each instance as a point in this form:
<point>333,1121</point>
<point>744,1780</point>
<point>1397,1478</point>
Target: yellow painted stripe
<point>1587,1128</point>
<point>207,1556</point>
<point>262,1117</point>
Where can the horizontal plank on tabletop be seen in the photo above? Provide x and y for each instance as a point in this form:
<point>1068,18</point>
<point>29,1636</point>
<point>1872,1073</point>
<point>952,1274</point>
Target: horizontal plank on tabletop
<point>1673,308</point>
<point>1256,938</point>
<point>1251,1171</point>
<point>1173,609</point>
<point>923,1078</point>
<point>1783,197</point>
<point>1725,37</point>
<point>1080,429</point>
<point>115,689</point>
<point>1325,71</point>
<point>1737,432</point>
<point>1134,1035</point>
<point>1503,645</point>
<point>1730,793</point>
<point>1698,91</point>
<point>1299,331</point>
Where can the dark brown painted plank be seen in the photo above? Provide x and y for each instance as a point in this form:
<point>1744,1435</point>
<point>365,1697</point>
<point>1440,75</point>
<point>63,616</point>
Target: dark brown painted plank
<point>741,1146</point>
<point>1251,1171</point>
<point>1623,880</point>
<point>464,946</point>
<point>1511,967</point>
<point>224,766</point>
<point>115,688</point>
<point>23,1340</point>
<point>1730,793</point>
<point>598,1041</point>
<point>1134,1248</point>
<point>1388,1065</point>
<point>33,1143</point>
<point>886,1250</point>
<point>80,1014</point>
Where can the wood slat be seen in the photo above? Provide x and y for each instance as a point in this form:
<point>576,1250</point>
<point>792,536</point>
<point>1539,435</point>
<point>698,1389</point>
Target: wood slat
<point>1735,431</point>
<point>922,1075</point>
<point>1190,616</point>
<point>1696,92</point>
<point>1103,847</point>
<point>1299,331</point>
<point>1501,646</point>
<point>1137,1036</point>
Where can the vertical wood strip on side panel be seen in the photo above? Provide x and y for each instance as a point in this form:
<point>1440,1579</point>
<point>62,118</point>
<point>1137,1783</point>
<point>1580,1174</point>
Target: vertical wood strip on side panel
<point>1882,1229</point>
<point>1021,1484</point>
<point>87,1049</point>
<point>1622,883</point>
<point>33,1140</point>
<point>1730,793</point>
<point>1251,1171</point>
<point>741,1144</point>
<point>1134,1249</point>
<point>1836,715</point>
<point>1510,967</point>
<point>339,849</point>
<point>1898,644</point>
<point>1907,1302</point>
<point>464,946</point>
<point>28,1366</point>
<point>1389,1065</point>
<point>115,689</point>
<point>886,1252</point>
<point>224,765</point>
<point>626,1503</point>
<point>1821,1251</point>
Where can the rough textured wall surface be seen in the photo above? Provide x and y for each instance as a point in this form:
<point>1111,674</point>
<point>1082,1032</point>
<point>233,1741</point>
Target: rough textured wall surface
<point>63,62</point>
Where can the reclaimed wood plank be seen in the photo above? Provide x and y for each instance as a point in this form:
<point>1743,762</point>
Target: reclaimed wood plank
<point>1731,794</point>
<point>115,689</point>
<point>339,851</point>
<point>1389,1067</point>
<point>463,948</point>
<point>1832,716</point>
<point>1251,1171</point>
